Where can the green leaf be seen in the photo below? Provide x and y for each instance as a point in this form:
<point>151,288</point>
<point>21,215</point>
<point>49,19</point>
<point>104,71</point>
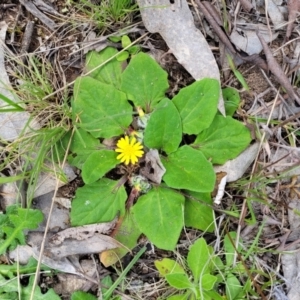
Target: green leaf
<point>229,245</point>
<point>110,72</point>
<point>11,104</point>
<point>241,79</point>
<point>10,271</point>
<point>197,214</point>
<point>186,169</point>
<point>79,295</point>
<point>127,233</point>
<point>219,265</point>
<point>134,49</point>
<point>97,202</point>
<point>208,281</point>
<point>233,287</point>
<point>11,179</point>
<point>115,39</point>
<point>145,89</point>
<point>168,266</point>
<point>225,139</point>
<point>199,259</point>
<point>98,164</point>
<point>231,100</point>
<point>212,295</point>
<point>122,56</point>
<point>82,146</point>
<point>125,41</point>
<point>105,283</point>
<point>197,105</point>
<point>179,281</point>
<point>103,110</point>
<point>82,142</point>
<point>9,288</point>
<point>164,129</point>
<point>18,219</point>
<point>184,296</point>
<point>159,215</point>
<point>37,295</point>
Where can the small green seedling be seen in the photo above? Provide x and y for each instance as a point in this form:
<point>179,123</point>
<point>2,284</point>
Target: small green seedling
<point>13,224</point>
<point>206,274</point>
<point>201,283</point>
<point>11,288</point>
<point>126,42</point>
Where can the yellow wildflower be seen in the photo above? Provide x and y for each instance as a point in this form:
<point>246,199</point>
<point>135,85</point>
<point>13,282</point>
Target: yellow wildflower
<point>129,150</point>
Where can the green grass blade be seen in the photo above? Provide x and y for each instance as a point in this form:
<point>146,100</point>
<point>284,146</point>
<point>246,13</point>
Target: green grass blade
<point>108,293</point>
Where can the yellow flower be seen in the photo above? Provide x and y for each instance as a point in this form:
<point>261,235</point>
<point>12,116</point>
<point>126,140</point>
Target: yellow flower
<point>129,150</point>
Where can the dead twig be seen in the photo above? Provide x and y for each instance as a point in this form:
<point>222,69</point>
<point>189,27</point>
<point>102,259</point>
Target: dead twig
<point>6,6</point>
<point>27,37</point>
<point>275,68</point>
<point>212,19</point>
<point>34,11</point>
<point>294,117</point>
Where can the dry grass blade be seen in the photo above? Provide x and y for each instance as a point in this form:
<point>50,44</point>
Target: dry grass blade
<point>275,68</point>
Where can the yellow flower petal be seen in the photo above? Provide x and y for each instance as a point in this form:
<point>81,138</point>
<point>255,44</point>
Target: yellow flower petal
<point>129,149</point>
<point>120,156</point>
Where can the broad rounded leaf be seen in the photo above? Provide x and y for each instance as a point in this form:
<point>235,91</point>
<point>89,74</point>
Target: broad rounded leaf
<point>179,281</point>
<point>103,110</point>
<point>197,214</point>
<point>164,129</point>
<point>225,139</point>
<point>98,164</point>
<point>110,72</point>
<point>122,56</point>
<point>197,105</point>
<point>199,259</point>
<point>144,81</point>
<point>82,141</point>
<point>97,202</point>
<point>83,144</point>
<point>159,216</point>
<point>125,40</point>
<point>168,266</point>
<point>186,169</point>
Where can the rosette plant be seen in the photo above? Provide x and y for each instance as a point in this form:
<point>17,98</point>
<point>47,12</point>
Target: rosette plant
<point>138,149</point>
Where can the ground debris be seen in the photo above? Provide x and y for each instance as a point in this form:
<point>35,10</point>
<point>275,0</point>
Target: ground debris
<point>33,9</point>
<point>82,232</point>
<point>176,25</point>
